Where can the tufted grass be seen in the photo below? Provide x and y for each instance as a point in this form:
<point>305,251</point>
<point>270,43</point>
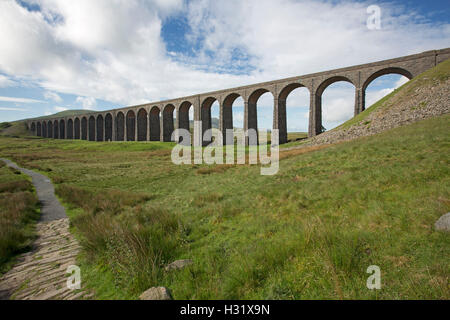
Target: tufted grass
<point>18,214</point>
<point>309,232</point>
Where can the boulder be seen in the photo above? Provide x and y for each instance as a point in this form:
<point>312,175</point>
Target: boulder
<point>179,264</point>
<point>443,224</point>
<point>156,293</point>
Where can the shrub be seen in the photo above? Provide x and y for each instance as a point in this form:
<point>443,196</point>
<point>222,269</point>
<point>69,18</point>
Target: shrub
<point>134,244</point>
<point>18,211</point>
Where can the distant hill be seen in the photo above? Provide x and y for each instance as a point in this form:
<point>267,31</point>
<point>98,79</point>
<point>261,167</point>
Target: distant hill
<point>66,113</point>
<point>13,129</point>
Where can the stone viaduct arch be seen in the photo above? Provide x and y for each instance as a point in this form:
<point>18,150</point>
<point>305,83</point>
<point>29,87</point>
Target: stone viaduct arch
<point>226,114</point>
<point>84,128</point>
<point>280,113</point>
<point>168,122</point>
<point>108,127</point>
<point>120,125</point>
<point>39,129</point>
<point>77,129</point>
<point>55,130</point>
<point>131,126</point>
<point>99,128</point>
<point>142,120</point>
<point>205,117</point>
<point>155,121</point>
<point>91,128</point>
<point>44,129</point>
<point>70,129</point>
<point>155,124</point>
<point>62,129</point>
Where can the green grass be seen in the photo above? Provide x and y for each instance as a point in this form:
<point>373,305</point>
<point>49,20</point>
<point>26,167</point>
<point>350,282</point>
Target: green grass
<point>308,232</point>
<point>18,214</point>
<point>13,129</point>
<point>66,113</point>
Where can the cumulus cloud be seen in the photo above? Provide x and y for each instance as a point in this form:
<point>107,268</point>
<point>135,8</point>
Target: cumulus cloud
<point>19,100</point>
<point>87,102</point>
<point>374,96</point>
<point>48,95</point>
<point>12,109</point>
<point>113,50</point>
<point>59,109</point>
<point>6,82</point>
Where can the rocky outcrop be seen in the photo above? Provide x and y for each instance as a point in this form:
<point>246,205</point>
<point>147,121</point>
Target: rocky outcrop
<point>443,224</point>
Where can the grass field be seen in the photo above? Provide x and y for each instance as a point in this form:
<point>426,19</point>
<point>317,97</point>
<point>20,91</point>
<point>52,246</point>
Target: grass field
<point>18,213</point>
<point>308,232</point>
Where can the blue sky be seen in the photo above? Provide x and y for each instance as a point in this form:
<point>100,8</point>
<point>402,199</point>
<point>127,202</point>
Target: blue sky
<point>102,54</point>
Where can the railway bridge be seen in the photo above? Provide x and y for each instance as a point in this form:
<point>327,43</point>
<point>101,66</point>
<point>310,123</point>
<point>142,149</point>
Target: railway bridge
<point>155,121</point>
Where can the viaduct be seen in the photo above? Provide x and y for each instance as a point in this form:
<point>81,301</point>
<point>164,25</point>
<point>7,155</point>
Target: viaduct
<point>155,121</point>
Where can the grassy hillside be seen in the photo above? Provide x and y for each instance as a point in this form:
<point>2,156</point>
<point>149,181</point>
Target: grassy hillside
<point>310,231</point>
<point>66,113</point>
<point>13,129</point>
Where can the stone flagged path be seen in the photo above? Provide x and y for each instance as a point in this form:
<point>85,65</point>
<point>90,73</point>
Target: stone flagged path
<point>41,273</point>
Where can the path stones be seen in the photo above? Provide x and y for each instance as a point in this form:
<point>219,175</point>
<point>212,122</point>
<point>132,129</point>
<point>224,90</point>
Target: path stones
<point>156,293</point>
<point>179,264</point>
<point>42,273</point>
<point>443,224</point>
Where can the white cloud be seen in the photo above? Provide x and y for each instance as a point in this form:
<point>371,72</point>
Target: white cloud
<point>87,102</point>
<point>401,82</point>
<point>20,100</point>
<point>59,109</point>
<point>374,96</point>
<point>48,95</point>
<point>12,109</point>
<point>6,82</point>
<point>292,38</point>
<point>238,116</point>
<point>113,50</point>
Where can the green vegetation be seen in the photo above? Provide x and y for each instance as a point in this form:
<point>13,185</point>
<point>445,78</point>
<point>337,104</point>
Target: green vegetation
<point>13,129</point>
<point>310,231</point>
<point>66,113</point>
<point>4,125</point>
<point>18,214</point>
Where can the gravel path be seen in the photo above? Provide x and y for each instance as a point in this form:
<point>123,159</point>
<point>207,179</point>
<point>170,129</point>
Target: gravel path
<point>51,208</point>
<point>41,273</point>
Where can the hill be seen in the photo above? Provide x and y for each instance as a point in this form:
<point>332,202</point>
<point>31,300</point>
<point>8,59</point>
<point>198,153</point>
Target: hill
<point>13,129</point>
<point>66,113</point>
